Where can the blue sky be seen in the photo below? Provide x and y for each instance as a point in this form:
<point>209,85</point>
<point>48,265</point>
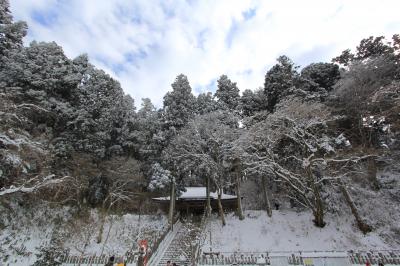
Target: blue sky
<point>145,44</point>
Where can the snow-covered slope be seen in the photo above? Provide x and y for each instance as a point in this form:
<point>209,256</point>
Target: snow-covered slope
<point>288,231</point>
<point>27,233</point>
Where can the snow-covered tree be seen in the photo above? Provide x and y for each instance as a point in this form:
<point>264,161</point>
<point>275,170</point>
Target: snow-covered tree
<point>100,115</point>
<point>283,153</point>
<point>303,157</point>
<point>147,107</point>
<point>162,179</point>
<point>11,33</point>
<point>279,79</point>
<point>320,75</point>
<point>179,104</point>
<point>124,138</point>
<point>147,127</point>
<point>205,103</point>
<point>360,96</point>
<point>227,94</point>
<point>253,101</point>
<point>42,67</point>
<point>368,48</point>
<point>66,104</point>
<point>202,148</point>
<point>32,185</point>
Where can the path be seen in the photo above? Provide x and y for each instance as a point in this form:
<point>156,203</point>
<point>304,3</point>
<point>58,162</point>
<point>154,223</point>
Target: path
<point>178,245</point>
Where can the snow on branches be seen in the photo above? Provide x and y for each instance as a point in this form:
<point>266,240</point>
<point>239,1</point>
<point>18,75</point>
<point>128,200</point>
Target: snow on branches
<point>161,178</point>
<point>33,184</point>
<point>301,156</point>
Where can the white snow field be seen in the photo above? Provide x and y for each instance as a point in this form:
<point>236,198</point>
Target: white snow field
<point>26,233</point>
<point>23,234</point>
<point>288,231</point>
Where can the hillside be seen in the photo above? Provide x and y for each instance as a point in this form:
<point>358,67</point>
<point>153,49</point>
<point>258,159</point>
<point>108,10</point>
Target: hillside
<point>79,163</point>
<point>292,231</point>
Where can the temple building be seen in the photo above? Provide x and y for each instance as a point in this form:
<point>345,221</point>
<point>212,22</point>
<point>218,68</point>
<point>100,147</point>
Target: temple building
<point>194,200</point>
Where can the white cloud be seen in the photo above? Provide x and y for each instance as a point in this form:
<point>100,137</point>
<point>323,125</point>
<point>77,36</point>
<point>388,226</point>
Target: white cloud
<point>145,44</point>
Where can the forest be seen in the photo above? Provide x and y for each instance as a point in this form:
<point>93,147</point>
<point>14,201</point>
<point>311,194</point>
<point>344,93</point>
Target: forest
<point>70,136</point>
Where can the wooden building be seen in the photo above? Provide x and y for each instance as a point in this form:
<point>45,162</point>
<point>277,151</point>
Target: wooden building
<point>194,200</point>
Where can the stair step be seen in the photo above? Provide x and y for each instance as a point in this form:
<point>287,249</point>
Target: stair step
<point>178,246</point>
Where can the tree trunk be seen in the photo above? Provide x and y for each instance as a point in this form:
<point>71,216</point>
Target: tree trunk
<point>102,221</point>
<point>208,203</point>
<point>362,132</point>
<point>266,198</point>
<point>171,205</point>
<point>318,209</point>
<point>319,217</point>
<point>104,214</point>
<point>108,235</point>
<point>174,202</point>
<point>239,198</point>
<point>364,227</point>
<point>372,171</point>
<point>221,210</point>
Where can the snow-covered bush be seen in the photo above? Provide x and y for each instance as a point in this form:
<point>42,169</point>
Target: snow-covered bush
<point>160,178</point>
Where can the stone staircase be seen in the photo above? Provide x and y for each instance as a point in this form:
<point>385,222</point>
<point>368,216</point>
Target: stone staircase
<point>178,245</point>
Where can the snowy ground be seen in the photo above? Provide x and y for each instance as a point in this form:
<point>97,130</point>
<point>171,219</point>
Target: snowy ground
<point>120,234</point>
<point>25,232</point>
<point>288,231</point>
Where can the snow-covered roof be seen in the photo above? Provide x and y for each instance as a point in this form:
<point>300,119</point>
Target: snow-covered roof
<point>194,192</point>
<point>198,193</point>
